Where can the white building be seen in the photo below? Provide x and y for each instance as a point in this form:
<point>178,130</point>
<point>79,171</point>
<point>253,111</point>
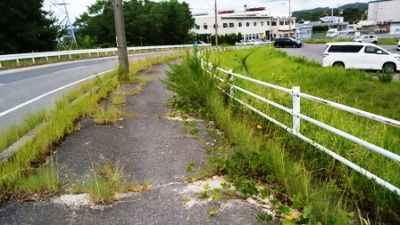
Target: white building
<point>251,24</point>
<point>384,12</point>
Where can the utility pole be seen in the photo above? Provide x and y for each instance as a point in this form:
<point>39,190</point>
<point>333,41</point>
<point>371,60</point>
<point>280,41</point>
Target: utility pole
<point>120,36</point>
<point>69,22</point>
<point>216,24</point>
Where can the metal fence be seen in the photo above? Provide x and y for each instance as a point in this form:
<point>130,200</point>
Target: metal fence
<point>96,52</point>
<point>297,116</point>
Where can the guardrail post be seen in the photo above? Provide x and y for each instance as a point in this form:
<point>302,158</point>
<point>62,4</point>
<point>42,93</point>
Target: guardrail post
<point>18,61</point>
<point>98,54</point>
<point>296,109</point>
<point>230,82</point>
<point>47,59</point>
<point>1,65</point>
<point>33,60</point>
<point>70,56</point>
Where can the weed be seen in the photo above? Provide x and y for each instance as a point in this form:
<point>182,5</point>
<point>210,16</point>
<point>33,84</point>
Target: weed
<point>190,167</point>
<point>212,212</point>
<point>106,181</point>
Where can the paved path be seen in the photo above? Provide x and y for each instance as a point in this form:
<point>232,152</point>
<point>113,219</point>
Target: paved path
<point>151,147</point>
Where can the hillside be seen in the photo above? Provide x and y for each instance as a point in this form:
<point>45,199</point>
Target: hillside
<point>352,13</point>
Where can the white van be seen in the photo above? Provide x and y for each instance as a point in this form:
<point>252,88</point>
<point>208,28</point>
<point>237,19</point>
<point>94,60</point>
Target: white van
<point>332,33</point>
<point>365,56</point>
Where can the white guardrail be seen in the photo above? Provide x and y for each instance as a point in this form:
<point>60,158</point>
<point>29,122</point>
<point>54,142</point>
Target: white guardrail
<point>36,55</point>
<point>297,116</point>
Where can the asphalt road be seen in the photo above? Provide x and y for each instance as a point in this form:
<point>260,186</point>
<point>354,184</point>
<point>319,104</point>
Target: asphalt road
<point>27,90</point>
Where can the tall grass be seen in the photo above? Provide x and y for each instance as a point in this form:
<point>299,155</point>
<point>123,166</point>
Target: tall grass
<point>311,179</point>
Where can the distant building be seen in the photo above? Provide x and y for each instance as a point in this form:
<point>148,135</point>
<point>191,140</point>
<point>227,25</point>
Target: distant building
<point>386,16</point>
<point>253,23</point>
<point>384,12</point>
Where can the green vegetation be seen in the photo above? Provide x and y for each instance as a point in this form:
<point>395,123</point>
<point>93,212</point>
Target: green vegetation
<point>168,22</point>
<point>303,177</point>
<point>352,13</point>
<point>26,27</point>
<point>105,181</point>
<point>22,173</point>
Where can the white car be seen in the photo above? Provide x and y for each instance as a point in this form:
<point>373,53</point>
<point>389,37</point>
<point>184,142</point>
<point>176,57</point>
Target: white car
<point>398,45</point>
<point>370,38</point>
<point>365,56</point>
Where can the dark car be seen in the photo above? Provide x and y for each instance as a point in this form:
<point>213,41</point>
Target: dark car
<point>283,42</point>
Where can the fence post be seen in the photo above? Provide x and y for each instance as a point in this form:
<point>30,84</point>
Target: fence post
<point>296,109</point>
<point>230,82</point>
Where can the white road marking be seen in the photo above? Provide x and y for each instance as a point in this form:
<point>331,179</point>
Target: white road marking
<point>60,71</point>
<point>49,93</point>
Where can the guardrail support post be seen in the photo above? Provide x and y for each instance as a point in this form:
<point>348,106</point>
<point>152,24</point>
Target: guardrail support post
<point>47,59</point>
<point>33,60</point>
<point>230,82</point>
<point>296,109</point>
<point>18,61</point>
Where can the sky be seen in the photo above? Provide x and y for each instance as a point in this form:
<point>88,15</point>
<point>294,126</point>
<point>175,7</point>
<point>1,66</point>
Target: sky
<point>277,7</point>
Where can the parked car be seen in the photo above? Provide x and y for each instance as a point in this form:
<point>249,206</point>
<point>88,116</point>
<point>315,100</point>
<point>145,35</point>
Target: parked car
<point>283,42</point>
<point>365,56</point>
<point>370,38</point>
<point>398,45</point>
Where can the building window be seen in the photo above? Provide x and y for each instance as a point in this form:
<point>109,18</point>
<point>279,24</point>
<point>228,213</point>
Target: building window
<point>268,23</point>
<point>240,24</point>
<point>205,26</point>
<point>255,24</point>
<point>231,25</point>
<point>286,22</point>
<point>197,27</point>
<point>247,24</point>
<point>281,23</point>
<point>273,23</point>
<point>224,25</point>
<point>214,26</point>
<point>261,23</point>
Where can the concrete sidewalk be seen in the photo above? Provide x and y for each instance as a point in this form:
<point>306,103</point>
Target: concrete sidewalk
<point>151,148</point>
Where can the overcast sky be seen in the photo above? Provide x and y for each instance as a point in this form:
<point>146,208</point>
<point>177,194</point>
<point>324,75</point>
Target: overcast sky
<point>77,7</point>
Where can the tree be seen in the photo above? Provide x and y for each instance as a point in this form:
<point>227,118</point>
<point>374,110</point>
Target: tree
<point>98,24</point>
<point>146,23</point>
<point>25,27</point>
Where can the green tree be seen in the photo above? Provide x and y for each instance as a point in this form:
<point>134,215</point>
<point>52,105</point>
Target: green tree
<point>98,24</point>
<point>25,27</point>
<point>146,23</point>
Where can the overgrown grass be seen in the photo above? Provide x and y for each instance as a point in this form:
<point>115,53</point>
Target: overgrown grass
<point>19,172</point>
<point>312,181</point>
<point>105,182</point>
<point>15,132</point>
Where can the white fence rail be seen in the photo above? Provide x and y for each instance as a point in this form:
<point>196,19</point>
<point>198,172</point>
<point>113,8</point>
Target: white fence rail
<point>295,111</point>
<point>97,52</point>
